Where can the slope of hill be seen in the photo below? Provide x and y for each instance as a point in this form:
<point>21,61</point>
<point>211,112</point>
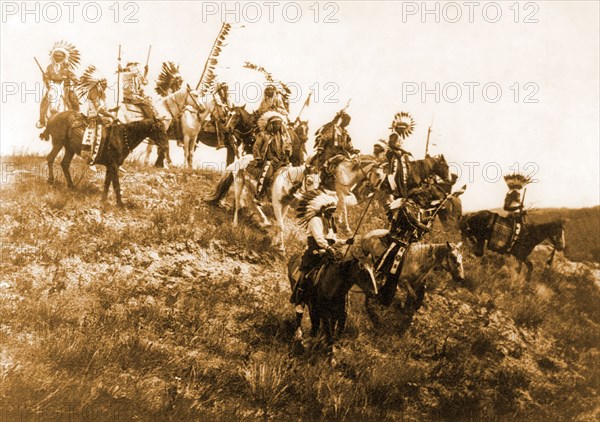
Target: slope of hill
<point>164,310</point>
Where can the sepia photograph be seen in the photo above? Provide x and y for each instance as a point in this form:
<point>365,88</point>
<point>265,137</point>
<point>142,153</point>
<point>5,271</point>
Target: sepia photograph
<point>300,210</point>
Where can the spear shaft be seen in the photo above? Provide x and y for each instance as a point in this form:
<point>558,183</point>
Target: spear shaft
<point>119,77</point>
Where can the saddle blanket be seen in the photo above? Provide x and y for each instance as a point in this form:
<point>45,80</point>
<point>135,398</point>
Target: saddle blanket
<point>392,260</point>
<point>505,232</point>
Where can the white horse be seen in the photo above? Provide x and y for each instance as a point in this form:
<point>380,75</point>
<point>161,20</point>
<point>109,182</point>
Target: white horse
<point>286,182</point>
<point>184,104</point>
<point>350,172</point>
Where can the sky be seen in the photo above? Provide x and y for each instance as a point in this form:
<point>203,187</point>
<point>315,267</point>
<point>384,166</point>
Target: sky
<point>504,86</point>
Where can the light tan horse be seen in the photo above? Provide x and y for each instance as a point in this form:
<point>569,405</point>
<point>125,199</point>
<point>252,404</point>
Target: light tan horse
<point>349,172</point>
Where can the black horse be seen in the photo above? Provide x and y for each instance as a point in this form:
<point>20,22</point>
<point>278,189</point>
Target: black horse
<point>67,128</point>
<point>326,299</point>
<point>478,228</point>
<point>239,131</point>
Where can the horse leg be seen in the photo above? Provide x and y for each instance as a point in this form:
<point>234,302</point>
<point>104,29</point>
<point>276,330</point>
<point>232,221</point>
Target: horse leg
<point>186,152</point>
<point>148,153</point>
<point>192,147</point>
<point>343,219</point>
<point>529,266</point>
<point>298,323</point>
<point>116,183</point>
<point>107,181</point>
<point>328,324</point>
<point>373,316</point>
<point>51,157</point>
<point>341,322</point>
<point>65,164</point>
<point>315,321</point>
<point>277,210</point>
<point>238,188</point>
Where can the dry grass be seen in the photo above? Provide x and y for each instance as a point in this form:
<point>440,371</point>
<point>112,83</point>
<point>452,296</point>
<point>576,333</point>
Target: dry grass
<point>163,311</point>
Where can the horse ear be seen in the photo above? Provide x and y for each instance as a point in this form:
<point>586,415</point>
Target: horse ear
<point>188,87</point>
<point>448,245</point>
<point>459,245</point>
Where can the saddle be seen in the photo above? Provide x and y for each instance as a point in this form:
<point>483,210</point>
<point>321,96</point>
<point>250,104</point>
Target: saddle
<point>504,234</point>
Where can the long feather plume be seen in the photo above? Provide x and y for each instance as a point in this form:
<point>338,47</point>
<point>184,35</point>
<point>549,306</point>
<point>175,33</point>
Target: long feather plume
<point>208,77</point>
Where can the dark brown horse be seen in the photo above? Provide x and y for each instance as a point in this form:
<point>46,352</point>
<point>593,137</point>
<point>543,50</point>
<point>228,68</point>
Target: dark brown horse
<point>66,130</point>
<point>478,227</point>
<point>326,299</point>
<point>239,131</point>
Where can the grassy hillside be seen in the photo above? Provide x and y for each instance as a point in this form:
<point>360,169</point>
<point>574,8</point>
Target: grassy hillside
<point>582,231</point>
<point>164,311</point>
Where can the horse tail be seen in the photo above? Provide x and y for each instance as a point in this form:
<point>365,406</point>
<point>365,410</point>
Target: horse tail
<point>222,188</point>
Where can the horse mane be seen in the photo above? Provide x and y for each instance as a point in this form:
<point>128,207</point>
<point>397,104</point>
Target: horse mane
<point>175,96</point>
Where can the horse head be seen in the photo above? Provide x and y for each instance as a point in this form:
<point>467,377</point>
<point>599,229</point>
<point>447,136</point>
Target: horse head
<point>301,129</point>
<point>362,270</point>
<point>453,261</point>
<point>557,235</point>
<point>193,99</point>
<point>440,167</point>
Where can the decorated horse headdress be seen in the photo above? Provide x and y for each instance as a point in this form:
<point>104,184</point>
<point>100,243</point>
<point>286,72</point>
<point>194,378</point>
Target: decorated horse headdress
<point>169,77</point>
<point>380,146</point>
<point>314,203</point>
<point>403,124</point>
<point>268,117</point>
<point>517,181</point>
<point>72,56</point>
<point>91,78</point>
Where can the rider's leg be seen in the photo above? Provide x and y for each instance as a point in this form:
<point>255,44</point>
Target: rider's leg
<point>73,101</point>
<point>43,111</point>
<point>263,181</point>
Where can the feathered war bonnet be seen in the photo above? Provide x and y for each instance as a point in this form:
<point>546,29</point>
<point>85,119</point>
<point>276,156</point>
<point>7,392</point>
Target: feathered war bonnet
<point>168,76</point>
<point>313,203</point>
<point>72,56</point>
<point>90,79</point>
<point>268,117</point>
<point>516,181</point>
<point>403,124</point>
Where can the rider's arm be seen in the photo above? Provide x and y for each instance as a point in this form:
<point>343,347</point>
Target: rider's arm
<point>315,227</point>
<point>257,147</point>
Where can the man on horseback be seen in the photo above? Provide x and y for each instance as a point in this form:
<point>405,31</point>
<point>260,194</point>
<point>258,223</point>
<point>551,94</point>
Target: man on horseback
<point>513,202</point>
<point>315,212</point>
<point>64,58</point>
<point>399,159</point>
<point>332,141</point>
<point>133,90</point>
<point>92,86</point>
<point>272,101</point>
<point>221,112</point>
<point>271,150</point>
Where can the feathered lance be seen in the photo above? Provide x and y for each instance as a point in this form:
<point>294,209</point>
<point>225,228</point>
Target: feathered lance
<point>306,103</point>
<point>214,52</point>
<point>147,60</point>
